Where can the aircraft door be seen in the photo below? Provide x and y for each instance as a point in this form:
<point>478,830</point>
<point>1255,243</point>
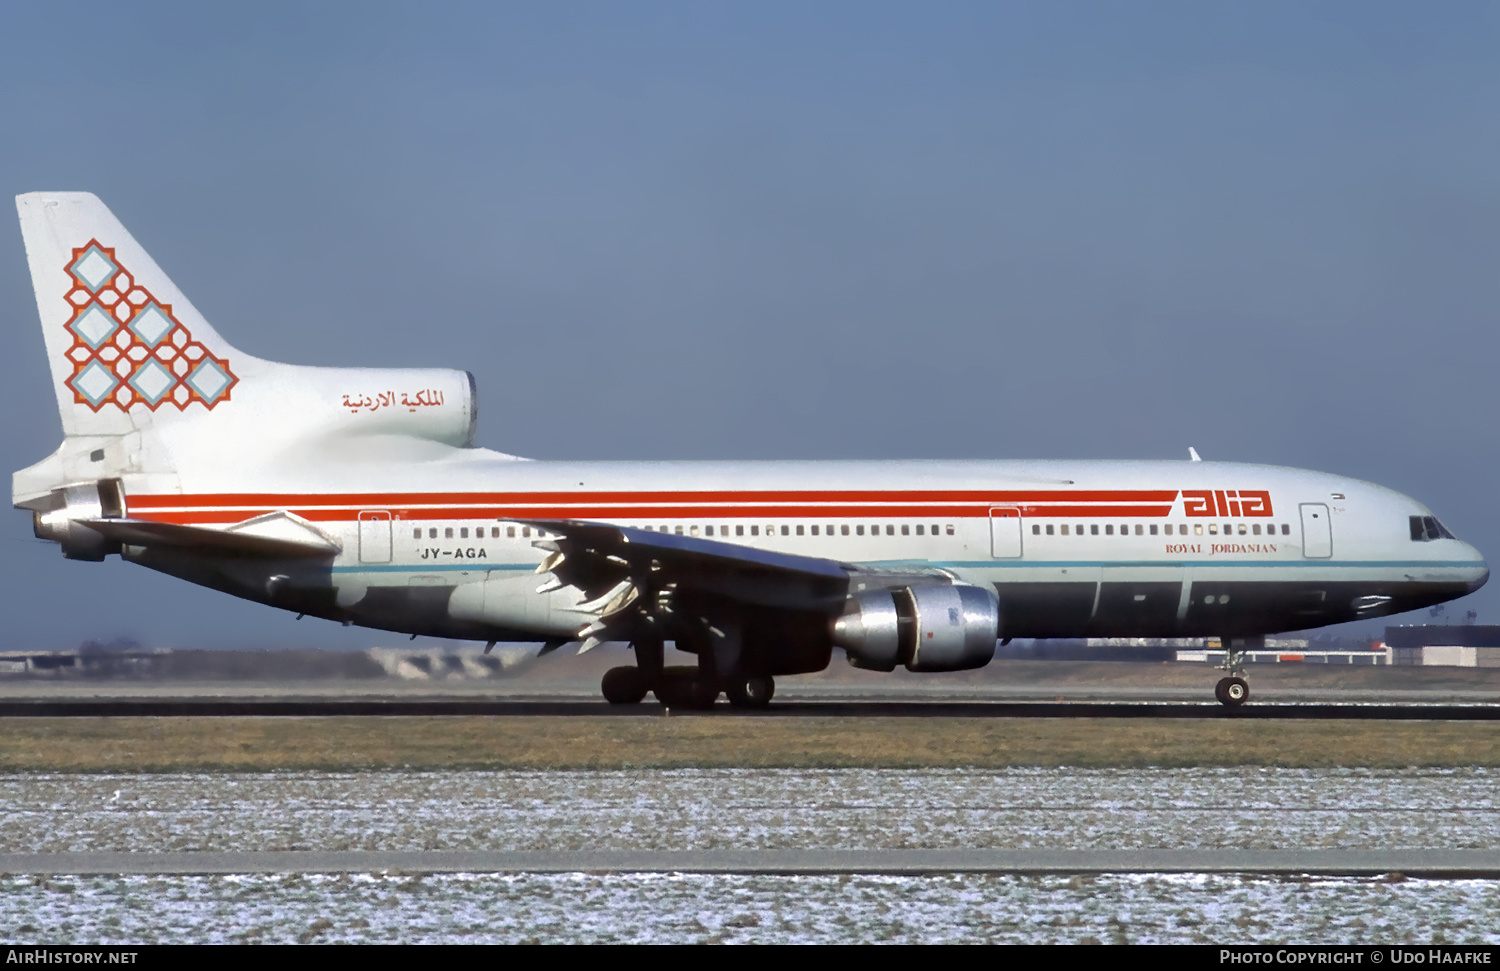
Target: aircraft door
<point>1317,531</point>
<point>1005,532</point>
<point>375,537</point>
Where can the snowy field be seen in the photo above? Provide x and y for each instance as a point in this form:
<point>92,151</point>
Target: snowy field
<point>745,809</point>
<point>584,908</point>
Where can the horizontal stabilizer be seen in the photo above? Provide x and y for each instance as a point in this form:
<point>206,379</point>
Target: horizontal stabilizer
<point>138,532</point>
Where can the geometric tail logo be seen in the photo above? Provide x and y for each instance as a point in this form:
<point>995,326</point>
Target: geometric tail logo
<point>128,349</point>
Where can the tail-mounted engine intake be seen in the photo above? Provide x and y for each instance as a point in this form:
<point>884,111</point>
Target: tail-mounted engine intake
<point>104,499</point>
<point>926,628</point>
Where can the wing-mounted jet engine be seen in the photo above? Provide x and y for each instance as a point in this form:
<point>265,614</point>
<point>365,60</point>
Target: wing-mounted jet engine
<point>924,627</point>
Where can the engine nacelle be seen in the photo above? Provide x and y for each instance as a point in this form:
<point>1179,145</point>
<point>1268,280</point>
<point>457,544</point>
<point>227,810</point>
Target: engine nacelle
<point>93,500</point>
<point>926,628</point>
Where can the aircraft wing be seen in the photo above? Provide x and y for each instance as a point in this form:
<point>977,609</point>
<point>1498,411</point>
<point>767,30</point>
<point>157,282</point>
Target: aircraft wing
<point>624,572</point>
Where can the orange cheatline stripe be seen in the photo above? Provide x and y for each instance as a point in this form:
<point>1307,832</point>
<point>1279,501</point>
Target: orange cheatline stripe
<point>384,500</point>
<point>615,513</point>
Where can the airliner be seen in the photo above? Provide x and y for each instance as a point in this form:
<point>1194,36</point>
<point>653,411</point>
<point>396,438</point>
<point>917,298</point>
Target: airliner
<point>357,495</point>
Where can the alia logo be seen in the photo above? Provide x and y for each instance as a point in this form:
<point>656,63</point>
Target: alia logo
<point>1221,502</point>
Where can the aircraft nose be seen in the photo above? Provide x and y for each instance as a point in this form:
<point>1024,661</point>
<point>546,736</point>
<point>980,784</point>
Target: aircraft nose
<point>1479,573</point>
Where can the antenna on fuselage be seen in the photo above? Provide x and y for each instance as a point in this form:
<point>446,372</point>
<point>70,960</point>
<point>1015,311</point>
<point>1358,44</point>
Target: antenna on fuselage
<point>1193,454</point>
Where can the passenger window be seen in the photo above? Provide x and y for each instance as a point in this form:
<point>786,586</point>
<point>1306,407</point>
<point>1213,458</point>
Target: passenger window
<point>1064,529</point>
<point>1093,529</point>
<point>1197,529</point>
<point>905,529</point>
<point>432,534</point>
<point>784,531</point>
<point>463,533</point>
<point>739,531</point>
<point>1286,530</point>
<point>858,530</point>
<point>830,530</point>
<point>919,529</point>
<point>1213,529</point>
<point>1138,529</point>
<point>799,529</point>
<point>510,532</point>
<point>934,529</point>
<point>1036,530</point>
<point>1241,530</point>
<point>1049,529</point>
<point>843,530</point>
<point>678,530</point>
<point>1109,529</point>
<point>417,533</point>
<point>692,530</point>
<point>890,529</point>
<point>754,530</point>
<point>448,532</point>
<point>950,529</point>
<point>1153,529</point>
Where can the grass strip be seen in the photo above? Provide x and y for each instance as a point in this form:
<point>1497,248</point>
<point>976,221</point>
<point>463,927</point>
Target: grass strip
<point>263,744</point>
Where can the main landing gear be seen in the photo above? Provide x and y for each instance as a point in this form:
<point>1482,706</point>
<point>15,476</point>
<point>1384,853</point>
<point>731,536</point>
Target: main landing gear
<point>686,687</point>
<point>690,688</point>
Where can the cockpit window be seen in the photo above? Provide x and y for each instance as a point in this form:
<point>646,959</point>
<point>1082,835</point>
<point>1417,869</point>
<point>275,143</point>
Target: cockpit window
<point>1424,528</point>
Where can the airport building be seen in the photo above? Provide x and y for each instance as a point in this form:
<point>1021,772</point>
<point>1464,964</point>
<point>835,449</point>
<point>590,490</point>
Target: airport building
<point>1468,646</point>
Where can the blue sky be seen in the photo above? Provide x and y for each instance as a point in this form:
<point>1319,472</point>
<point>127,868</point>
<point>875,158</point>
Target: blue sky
<point>1271,231</point>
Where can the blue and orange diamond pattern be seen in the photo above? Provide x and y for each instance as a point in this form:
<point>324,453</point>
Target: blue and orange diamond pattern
<point>128,349</point>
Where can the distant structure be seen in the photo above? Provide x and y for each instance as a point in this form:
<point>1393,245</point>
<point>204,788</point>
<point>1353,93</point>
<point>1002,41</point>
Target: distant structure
<point>1466,646</point>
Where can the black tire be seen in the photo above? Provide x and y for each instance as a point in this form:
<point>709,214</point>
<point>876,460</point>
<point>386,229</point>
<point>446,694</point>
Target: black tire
<point>686,688</point>
<point>623,686</point>
<point>1234,692</point>
<point>753,691</point>
<point>1219,692</point>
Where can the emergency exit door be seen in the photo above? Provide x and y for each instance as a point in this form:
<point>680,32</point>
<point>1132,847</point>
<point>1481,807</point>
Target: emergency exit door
<point>375,537</point>
<point>1317,531</point>
<point>1005,532</point>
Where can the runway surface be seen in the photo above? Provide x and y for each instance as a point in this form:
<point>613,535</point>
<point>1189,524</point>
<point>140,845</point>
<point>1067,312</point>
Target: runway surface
<point>315,707</point>
<point>1423,863</point>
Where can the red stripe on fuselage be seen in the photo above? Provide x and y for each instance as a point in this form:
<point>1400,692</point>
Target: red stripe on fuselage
<point>509,499</point>
<point>614,513</point>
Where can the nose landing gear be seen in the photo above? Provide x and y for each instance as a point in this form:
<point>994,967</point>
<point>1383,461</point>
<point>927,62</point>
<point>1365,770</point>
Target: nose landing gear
<point>1232,691</point>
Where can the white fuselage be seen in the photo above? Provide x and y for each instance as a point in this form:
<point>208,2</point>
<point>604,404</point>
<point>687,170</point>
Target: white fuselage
<point>1072,547</point>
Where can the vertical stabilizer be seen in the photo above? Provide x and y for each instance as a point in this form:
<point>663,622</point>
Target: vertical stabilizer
<point>121,339</point>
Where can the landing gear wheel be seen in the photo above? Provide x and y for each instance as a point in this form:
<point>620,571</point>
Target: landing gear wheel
<point>754,691</point>
<point>1232,692</point>
<point>685,687</point>
<point>623,686</point>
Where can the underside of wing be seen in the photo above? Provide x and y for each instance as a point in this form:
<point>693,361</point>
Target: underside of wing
<point>627,576</point>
